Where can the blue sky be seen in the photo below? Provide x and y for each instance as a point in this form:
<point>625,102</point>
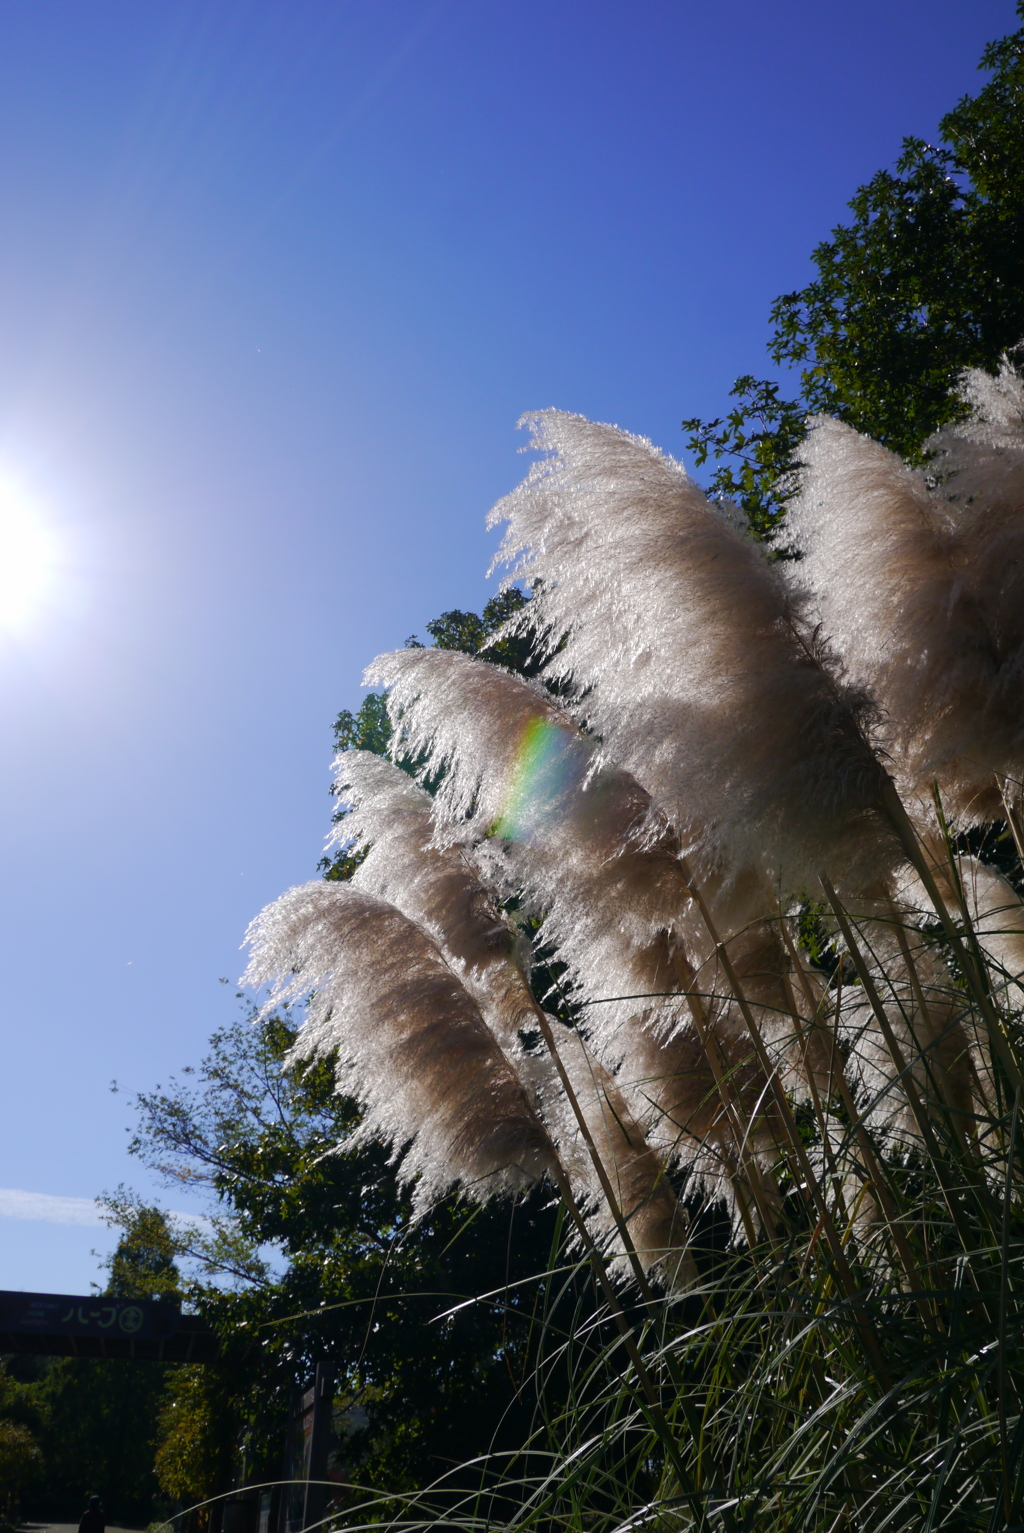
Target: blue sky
<point>276,281</point>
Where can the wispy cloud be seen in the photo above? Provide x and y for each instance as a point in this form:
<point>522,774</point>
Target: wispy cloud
<point>50,1209</point>
<point>15,1204</point>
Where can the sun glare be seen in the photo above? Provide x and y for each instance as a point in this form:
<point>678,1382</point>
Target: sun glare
<point>26,558</point>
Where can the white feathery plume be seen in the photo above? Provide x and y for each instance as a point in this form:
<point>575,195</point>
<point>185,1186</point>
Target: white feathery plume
<point>693,660</point>
<point>994,426</point>
<point>411,1044</point>
<point>656,1222</point>
<point>992,907</point>
<point>920,589</point>
<point>997,917</point>
<point>583,841</point>
<point>713,1133</point>
<point>689,659</point>
<point>593,854</point>
<point>923,598</point>
<point>438,888</point>
<point>931,1037</point>
<point>980,463</point>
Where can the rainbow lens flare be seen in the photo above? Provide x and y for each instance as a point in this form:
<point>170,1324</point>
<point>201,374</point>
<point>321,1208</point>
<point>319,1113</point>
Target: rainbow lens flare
<point>549,762</point>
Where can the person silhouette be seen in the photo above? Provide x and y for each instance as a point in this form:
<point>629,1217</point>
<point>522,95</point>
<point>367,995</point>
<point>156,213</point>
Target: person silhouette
<point>94,1518</point>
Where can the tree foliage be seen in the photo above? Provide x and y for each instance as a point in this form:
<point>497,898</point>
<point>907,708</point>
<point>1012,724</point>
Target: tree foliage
<point>925,280</point>
<point>143,1264</point>
<point>433,1331</point>
<point>755,446</point>
<point>21,1462</point>
<point>94,1421</point>
<point>99,1423</point>
<point>21,1456</point>
<point>195,1433</point>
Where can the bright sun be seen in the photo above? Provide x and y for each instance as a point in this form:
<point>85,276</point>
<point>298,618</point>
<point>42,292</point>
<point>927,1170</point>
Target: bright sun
<point>26,558</point>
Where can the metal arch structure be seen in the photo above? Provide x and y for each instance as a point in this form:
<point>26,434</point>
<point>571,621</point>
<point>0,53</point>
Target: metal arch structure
<point>155,1330</point>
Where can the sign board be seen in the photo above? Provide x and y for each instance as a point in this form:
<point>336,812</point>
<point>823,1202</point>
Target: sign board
<point>99,1325</point>
<point>56,1314</point>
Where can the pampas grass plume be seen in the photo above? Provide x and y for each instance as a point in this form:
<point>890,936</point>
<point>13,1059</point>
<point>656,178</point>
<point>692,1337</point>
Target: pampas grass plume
<point>601,865</point>
<point>410,1043</point>
<point>688,658</point>
<point>921,590</point>
<point>656,1221</point>
<point>596,858</point>
<point>437,887</point>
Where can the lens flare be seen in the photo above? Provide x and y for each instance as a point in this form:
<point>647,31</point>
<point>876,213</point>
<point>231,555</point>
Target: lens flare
<point>26,558</point>
<point>548,764</point>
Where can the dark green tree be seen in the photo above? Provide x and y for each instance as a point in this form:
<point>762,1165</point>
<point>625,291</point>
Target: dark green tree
<point>196,1435</point>
<point>481,635</point>
<point>143,1264</point>
<point>926,280</point>
<point>99,1435</point>
<point>97,1417</point>
<point>755,447</point>
<point>435,1326</point>
<point>21,1458</point>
